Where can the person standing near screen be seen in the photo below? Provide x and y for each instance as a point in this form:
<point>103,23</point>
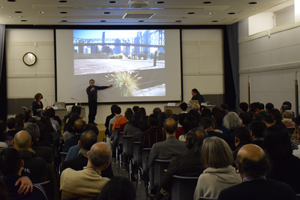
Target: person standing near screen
<point>92,97</point>
<point>197,96</point>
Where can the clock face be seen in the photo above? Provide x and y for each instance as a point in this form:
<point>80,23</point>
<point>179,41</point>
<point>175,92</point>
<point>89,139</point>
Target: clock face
<point>29,59</point>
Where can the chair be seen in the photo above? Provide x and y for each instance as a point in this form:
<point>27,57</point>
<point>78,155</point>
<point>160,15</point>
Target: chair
<point>145,156</point>
<point>63,156</point>
<point>183,187</point>
<point>159,171</point>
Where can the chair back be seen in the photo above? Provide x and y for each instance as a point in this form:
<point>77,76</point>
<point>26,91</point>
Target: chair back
<point>159,170</point>
<point>137,157</point>
<point>121,138</point>
<point>145,156</point>
<point>127,145</point>
<point>115,133</point>
<point>63,156</point>
<point>183,187</point>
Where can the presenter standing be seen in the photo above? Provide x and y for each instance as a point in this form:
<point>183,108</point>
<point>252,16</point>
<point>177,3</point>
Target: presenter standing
<point>92,96</point>
<point>197,96</point>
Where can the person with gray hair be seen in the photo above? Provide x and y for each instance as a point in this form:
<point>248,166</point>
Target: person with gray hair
<point>232,121</point>
<point>217,158</point>
<point>87,183</point>
<point>287,117</point>
<point>41,151</point>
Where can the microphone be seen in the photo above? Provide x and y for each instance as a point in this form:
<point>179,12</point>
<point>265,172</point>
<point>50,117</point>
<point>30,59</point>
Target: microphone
<point>46,102</point>
<point>76,100</point>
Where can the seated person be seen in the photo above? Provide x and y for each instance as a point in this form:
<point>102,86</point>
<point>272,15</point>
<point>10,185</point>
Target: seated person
<point>69,126</point>
<point>108,118</point>
<point>256,130</point>
<point>143,126</point>
<point>125,188</point>
<point>51,112</point>
<point>181,118</point>
<point>41,151</point>
<point>87,183</point>
<point>242,137</point>
<point>287,117</point>
<point>11,167</point>
<point>153,134</point>
<point>117,113</point>
<point>188,124</point>
<point>36,165</point>
<point>72,141</point>
<point>188,164</point>
<point>253,166</point>
<point>133,125</point>
<point>87,140</point>
<point>167,149</point>
<point>11,125</point>
<point>217,157</point>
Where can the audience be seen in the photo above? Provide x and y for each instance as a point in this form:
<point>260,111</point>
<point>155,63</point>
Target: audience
<point>242,137</point>
<point>185,165</point>
<point>11,167</point>
<point>253,166</point>
<point>118,188</point>
<point>87,183</point>
<point>243,107</point>
<point>78,128</point>
<point>36,165</point>
<point>41,151</point>
<point>228,136</point>
<point>153,134</point>
<point>108,118</point>
<point>167,149</point>
<point>287,117</point>
<point>256,130</point>
<point>217,158</point>
<point>285,166</point>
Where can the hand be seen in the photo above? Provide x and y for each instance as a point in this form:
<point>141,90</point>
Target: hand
<point>26,185</point>
<point>110,86</point>
<point>92,89</point>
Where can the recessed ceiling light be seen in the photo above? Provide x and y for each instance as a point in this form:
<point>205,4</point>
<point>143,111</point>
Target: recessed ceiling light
<point>64,20</point>
<point>23,20</point>
<point>63,1</point>
<point>178,21</point>
<point>41,12</point>
<point>18,11</point>
<point>160,2</point>
<point>215,21</point>
<point>2,6</point>
<point>212,13</point>
<point>191,13</point>
<point>141,21</point>
<point>253,2</point>
<point>231,13</point>
<point>9,16</point>
<point>112,2</point>
<point>206,2</point>
<point>103,21</point>
<point>63,12</point>
<point>11,0</point>
<point>107,13</point>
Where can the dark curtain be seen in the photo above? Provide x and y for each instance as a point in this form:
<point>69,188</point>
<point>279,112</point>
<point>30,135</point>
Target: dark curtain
<point>231,66</point>
<point>3,78</point>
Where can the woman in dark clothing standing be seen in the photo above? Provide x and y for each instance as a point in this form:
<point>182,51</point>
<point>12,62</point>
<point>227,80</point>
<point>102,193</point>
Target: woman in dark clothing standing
<point>37,105</point>
<point>197,96</point>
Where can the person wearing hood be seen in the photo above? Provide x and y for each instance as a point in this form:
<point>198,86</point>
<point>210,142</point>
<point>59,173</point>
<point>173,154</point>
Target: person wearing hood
<point>219,174</point>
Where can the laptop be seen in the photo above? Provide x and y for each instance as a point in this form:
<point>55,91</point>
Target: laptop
<point>60,105</point>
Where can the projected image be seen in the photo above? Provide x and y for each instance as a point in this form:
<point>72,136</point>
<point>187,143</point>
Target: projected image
<point>124,57</point>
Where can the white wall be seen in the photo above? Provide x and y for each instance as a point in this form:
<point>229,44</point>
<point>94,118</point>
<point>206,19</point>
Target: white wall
<point>202,54</point>
<point>24,81</point>
<point>271,63</point>
<point>202,66</point>
<point>261,22</point>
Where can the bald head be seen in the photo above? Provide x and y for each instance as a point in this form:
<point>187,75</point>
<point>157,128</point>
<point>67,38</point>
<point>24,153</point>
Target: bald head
<point>252,161</point>
<point>100,155</point>
<point>251,152</point>
<point>78,126</point>
<point>22,140</point>
<point>170,126</point>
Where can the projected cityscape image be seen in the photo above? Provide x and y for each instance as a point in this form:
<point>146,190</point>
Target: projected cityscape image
<point>125,57</point>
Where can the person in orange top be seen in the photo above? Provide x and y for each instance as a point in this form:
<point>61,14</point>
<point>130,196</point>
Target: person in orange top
<point>119,121</point>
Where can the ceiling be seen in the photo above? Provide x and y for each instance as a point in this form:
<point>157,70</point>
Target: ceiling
<point>106,12</point>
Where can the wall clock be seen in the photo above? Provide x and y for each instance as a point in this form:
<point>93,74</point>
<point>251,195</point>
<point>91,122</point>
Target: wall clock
<point>29,58</point>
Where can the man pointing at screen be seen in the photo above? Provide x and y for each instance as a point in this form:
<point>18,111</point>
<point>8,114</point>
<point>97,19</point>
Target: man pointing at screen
<point>92,96</point>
